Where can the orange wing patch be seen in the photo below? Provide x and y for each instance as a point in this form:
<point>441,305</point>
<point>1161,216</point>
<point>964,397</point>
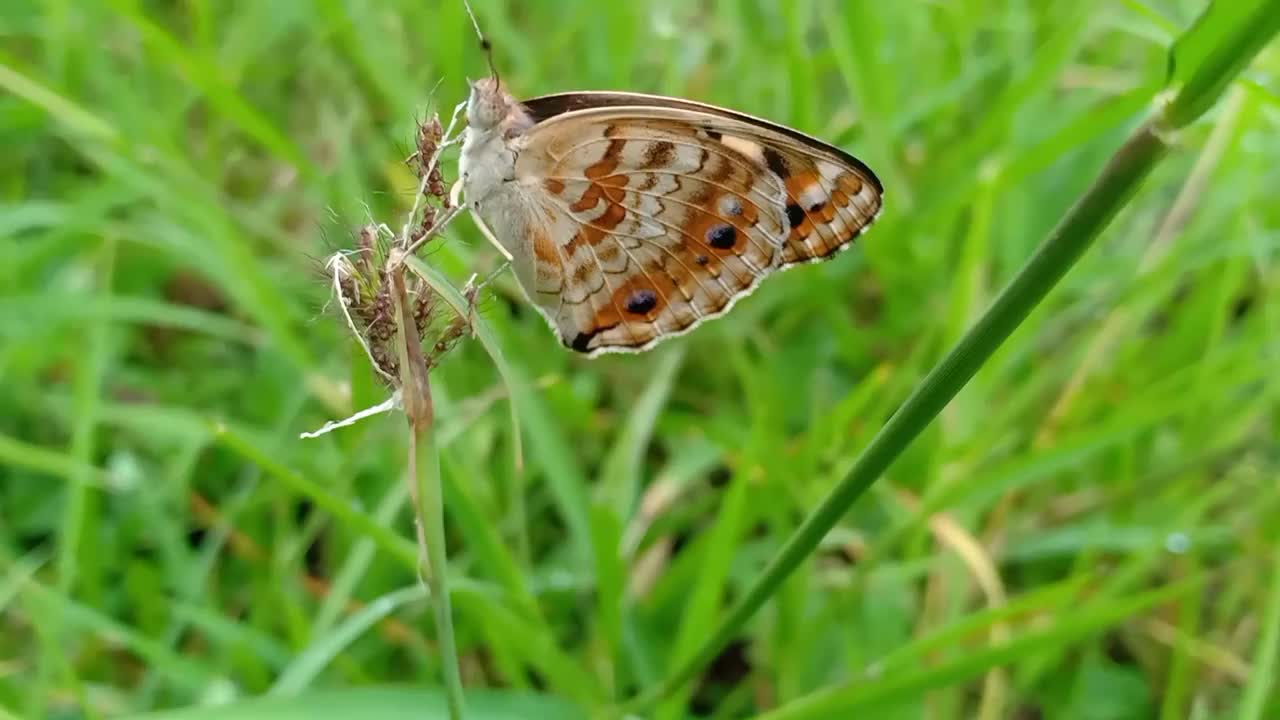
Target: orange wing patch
<point>821,208</point>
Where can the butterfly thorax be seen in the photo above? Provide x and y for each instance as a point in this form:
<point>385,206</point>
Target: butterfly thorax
<point>495,121</point>
<point>491,145</point>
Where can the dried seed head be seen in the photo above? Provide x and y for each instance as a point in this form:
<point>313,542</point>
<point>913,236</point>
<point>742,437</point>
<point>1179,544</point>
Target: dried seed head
<point>424,226</point>
<point>430,133</point>
<point>367,284</point>
<point>423,308</point>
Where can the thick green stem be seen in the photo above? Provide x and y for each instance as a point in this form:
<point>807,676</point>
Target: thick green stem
<point>1066,243</point>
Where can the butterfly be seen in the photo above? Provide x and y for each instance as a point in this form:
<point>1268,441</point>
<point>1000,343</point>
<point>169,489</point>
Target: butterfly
<point>631,218</point>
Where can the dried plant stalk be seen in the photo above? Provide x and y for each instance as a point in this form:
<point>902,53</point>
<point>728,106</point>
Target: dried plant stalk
<point>391,312</point>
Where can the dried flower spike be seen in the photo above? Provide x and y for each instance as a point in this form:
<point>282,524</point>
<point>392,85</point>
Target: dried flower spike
<point>391,312</point>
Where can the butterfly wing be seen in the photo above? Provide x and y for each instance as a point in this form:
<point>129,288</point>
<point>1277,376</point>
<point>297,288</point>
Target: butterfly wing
<point>654,214</point>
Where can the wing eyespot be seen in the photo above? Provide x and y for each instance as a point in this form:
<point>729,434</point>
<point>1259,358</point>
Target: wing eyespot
<point>722,237</point>
<point>795,215</point>
<point>641,301</point>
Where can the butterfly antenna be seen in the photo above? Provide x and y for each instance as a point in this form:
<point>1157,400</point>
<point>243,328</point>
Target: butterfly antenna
<point>485,45</point>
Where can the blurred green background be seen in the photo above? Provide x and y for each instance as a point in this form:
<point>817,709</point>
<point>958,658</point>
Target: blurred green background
<point>173,173</point>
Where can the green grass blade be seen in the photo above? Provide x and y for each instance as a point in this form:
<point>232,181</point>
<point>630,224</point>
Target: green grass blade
<point>431,514</point>
<point>1258,695</point>
<point>308,664</point>
<point>620,477</point>
<point>888,691</point>
<point>381,703</point>
<point>342,511</point>
<point>66,111</point>
<point>1224,39</point>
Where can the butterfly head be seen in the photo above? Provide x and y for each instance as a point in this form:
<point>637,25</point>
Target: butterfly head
<point>488,105</point>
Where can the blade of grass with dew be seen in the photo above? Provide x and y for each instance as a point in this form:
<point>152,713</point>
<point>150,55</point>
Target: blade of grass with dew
<point>1110,192</point>
<point>1122,579</point>
<point>1030,469</point>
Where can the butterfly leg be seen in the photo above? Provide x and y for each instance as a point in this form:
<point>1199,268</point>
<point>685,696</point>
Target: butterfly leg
<point>473,287</point>
<point>439,226</point>
<point>471,290</point>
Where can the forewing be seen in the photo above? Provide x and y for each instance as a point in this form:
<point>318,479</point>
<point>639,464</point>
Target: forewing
<point>662,217</point>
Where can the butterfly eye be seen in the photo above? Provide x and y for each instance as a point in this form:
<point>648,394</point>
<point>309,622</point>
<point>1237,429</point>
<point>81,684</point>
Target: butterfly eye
<point>484,105</point>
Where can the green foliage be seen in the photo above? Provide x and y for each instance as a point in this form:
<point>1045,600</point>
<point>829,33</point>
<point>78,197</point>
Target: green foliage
<point>385,704</point>
<point>1087,530</point>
